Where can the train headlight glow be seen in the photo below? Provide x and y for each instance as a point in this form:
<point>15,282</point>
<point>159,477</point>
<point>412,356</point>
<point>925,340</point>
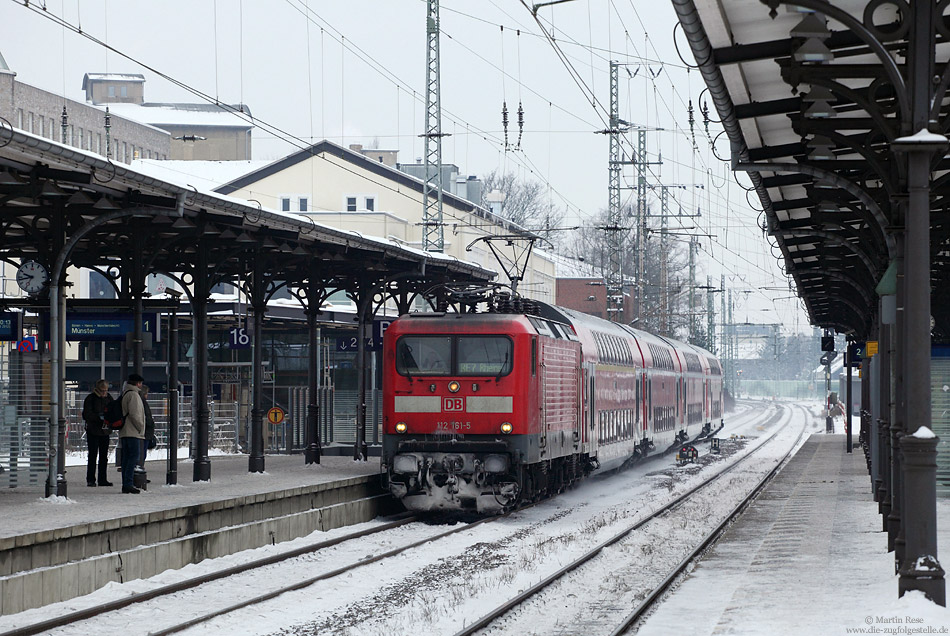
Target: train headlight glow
<point>506,427</point>
<point>401,427</point>
<point>454,386</point>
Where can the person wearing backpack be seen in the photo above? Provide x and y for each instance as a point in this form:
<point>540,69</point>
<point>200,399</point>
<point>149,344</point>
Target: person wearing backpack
<point>97,433</point>
<point>133,430</point>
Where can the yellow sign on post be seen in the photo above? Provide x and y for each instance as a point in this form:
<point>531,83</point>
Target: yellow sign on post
<point>275,415</point>
<point>871,348</point>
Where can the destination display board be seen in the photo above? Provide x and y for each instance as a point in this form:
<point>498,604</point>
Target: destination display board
<point>9,326</point>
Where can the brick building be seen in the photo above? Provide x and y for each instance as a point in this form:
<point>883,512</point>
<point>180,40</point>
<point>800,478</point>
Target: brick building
<point>41,112</point>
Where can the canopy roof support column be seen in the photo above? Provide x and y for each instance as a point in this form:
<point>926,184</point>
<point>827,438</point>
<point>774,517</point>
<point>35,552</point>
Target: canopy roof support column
<point>200,429</point>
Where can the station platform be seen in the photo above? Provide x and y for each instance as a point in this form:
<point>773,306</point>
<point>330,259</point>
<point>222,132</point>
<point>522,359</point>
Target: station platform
<point>807,557</point>
<point>53,549</point>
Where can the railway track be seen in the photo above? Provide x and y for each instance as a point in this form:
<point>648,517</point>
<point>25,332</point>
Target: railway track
<point>485,622</point>
<point>101,610</point>
<point>98,611</point>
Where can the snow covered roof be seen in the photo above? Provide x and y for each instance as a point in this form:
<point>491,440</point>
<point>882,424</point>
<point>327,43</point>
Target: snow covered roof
<point>184,114</point>
<point>204,175</point>
<point>114,77</point>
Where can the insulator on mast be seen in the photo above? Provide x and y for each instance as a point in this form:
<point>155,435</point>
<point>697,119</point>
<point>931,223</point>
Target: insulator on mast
<point>504,121</point>
<point>520,125</point>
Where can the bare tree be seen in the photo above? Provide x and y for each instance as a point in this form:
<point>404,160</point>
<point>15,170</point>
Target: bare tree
<point>664,309</point>
<point>524,203</point>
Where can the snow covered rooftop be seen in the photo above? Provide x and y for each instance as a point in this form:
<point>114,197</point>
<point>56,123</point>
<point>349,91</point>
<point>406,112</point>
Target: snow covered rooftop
<point>183,115</point>
<point>114,77</point>
<point>204,175</point>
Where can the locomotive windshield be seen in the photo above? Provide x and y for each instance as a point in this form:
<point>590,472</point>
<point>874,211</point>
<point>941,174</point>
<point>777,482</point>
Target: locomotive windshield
<point>424,355</point>
<point>484,355</point>
<point>447,355</point>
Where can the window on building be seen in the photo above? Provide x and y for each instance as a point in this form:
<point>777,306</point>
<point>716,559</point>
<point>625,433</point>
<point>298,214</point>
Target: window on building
<point>371,203</point>
<point>79,138</point>
<point>125,91</point>
<point>100,287</point>
<point>226,289</point>
<point>156,282</point>
<point>19,118</point>
<point>30,122</point>
<point>304,204</point>
<point>112,91</point>
<point>282,293</point>
<point>285,204</point>
<point>351,204</point>
<point>125,152</point>
<point>99,143</point>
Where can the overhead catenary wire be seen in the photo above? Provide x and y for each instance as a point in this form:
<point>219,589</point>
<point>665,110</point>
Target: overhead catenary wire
<point>273,129</point>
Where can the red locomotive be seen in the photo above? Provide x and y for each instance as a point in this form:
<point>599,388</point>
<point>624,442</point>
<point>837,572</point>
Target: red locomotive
<point>483,410</point>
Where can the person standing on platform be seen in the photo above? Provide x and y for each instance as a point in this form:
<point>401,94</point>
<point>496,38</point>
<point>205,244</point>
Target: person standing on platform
<point>97,433</point>
<point>149,442</point>
<point>133,431</point>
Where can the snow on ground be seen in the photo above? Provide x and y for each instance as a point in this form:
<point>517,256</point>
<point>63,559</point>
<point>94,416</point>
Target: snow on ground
<point>24,510</point>
<point>439,586</point>
<point>436,589</point>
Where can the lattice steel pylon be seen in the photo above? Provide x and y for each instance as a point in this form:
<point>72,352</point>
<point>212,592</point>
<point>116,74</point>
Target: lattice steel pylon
<point>433,238</point>
<point>614,230</point>
<point>641,162</point>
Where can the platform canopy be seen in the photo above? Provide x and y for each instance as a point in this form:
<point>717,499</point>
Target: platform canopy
<point>812,97</point>
<point>49,192</point>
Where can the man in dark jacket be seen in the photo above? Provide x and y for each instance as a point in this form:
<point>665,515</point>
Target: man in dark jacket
<point>97,433</point>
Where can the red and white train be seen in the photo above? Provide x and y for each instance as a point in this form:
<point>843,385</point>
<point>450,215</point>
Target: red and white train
<point>483,410</point>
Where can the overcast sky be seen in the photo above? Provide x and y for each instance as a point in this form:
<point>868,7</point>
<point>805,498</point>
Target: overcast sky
<point>353,71</point>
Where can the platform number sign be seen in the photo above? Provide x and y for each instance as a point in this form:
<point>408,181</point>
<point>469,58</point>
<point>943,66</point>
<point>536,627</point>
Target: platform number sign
<point>856,352</point>
<point>238,338</point>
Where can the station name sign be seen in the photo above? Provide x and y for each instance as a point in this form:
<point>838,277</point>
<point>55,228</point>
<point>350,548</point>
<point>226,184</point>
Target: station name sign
<point>103,326</point>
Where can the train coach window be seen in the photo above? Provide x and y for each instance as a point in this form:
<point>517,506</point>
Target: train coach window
<point>484,355</point>
<point>424,355</point>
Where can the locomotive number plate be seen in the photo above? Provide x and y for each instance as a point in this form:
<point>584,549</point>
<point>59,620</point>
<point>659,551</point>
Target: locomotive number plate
<point>453,404</point>
<point>444,427</point>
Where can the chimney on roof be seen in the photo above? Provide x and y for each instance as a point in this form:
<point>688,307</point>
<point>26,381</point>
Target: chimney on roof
<point>495,200</point>
<point>356,147</point>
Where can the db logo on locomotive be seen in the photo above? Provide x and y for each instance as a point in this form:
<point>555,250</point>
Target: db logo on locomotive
<point>453,404</point>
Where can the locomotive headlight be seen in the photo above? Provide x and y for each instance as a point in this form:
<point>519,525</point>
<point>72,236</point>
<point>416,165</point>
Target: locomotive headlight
<point>454,386</point>
<point>506,427</point>
<point>401,427</point>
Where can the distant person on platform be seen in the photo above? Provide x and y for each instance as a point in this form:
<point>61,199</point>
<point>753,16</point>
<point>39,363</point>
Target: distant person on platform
<point>150,440</point>
<point>133,431</point>
<point>97,433</point>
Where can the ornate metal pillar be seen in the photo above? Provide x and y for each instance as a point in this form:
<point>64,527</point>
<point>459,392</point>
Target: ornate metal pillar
<point>137,287</point>
<point>364,310</point>
<point>255,461</point>
<point>920,570</point>
<point>312,434</point>
<point>171,475</point>
<point>883,428</point>
<point>200,429</point>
